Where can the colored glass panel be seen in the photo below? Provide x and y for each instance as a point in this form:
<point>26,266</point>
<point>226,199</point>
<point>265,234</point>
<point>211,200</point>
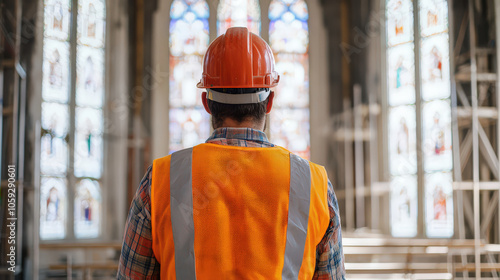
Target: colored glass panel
<point>404,206</point>
<point>242,13</point>
<point>87,209</point>
<point>290,129</point>
<point>188,127</point>
<point>57,16</point>
<point>439,204</point>
<point>185,74</point>
<point>288,29</point>
<point>401,75</point>
<point>435,67</point>
<point>54,155</point>
<point>433,17</point>
<point>289,40</point>
<point>189,28</point>
<point>53,204</point>
<point>90,76</point>
<point>55,83</point>
<point>294,80</point>
<point>88,155</point>
<point>399,15</point>
<point>402,140</point>
<point>189,38</point>
<point>55,119</point>
<point>437,136</point>
<point>91,22</point>
<point>88,143</point>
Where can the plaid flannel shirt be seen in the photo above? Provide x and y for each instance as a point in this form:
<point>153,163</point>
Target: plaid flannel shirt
<point>137,260</point>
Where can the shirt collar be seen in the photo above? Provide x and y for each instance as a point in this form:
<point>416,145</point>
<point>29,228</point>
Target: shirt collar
<point>237,133</point>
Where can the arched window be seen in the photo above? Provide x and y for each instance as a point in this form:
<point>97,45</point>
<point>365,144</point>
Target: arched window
<point>418,96</point>
<point>243,13</point>
<point>71,159</point>
<point>289,40</point>
<point>189,38</point>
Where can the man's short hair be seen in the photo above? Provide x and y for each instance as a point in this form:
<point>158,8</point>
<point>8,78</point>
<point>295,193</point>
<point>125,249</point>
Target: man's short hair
<point>238,112</point>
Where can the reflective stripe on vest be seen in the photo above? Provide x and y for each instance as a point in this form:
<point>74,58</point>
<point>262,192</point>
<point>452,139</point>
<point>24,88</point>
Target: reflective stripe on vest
<point>182,215</point>
<point>181,201</point>
<point>298,216</point>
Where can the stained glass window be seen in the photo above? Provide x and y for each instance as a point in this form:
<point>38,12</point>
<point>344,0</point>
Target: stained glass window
<point>242,13</point>
<point>434,148</point>
<point>189,38</point>
<point>289,40</point>
<point>60,144</point>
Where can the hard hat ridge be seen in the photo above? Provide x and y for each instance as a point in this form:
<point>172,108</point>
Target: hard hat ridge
<point>239,59</point>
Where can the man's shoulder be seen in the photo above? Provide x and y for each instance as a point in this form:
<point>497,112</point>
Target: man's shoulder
<point>301,157</point>
<point>168,157</point>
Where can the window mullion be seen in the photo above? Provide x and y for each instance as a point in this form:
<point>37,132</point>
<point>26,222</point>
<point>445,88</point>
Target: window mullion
<point>72,124</point>
<point>418,107</point>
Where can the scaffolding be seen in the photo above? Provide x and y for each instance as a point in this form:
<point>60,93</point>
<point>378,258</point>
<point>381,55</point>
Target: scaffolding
<point>476,128</point>
<point>359,150</point>
<point>354,138</point>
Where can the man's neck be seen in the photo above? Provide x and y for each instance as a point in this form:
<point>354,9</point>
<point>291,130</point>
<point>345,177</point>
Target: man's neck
<point>244,124</point>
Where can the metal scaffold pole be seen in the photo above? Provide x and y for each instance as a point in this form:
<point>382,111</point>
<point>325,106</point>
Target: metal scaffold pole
<point>359,156</point>
<point>497,90</point>
<point>349,185</point>
<point>475,140</point>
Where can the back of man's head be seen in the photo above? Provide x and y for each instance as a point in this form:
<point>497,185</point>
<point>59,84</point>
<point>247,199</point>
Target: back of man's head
<point>240,113</point>
<point>238,74</point>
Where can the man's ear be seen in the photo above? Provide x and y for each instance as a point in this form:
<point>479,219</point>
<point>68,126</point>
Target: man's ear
<point>270,102</point>
<point>205,102</point>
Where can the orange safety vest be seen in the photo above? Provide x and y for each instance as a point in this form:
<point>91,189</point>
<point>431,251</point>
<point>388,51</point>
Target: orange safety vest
<point>225,212</point>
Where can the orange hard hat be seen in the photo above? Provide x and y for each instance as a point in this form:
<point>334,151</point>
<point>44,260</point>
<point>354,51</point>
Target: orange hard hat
<point>238,59</point>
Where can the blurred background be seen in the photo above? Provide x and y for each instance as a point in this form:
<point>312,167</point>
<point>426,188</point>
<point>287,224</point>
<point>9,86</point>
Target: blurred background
<point>398,99</point>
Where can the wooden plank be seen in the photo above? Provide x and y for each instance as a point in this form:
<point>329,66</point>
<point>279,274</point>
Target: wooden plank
<point>65,246</point>
<point>481,77</point>
<point>396,267</point>
<point>108,266</point>
<point>404,242</point>
<point>483,267</point>
<point>484,186</point>
<point>482,112</point>
<point>391,251</point>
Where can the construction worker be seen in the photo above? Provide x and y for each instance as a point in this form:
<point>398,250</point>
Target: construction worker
<point>237,206</point>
